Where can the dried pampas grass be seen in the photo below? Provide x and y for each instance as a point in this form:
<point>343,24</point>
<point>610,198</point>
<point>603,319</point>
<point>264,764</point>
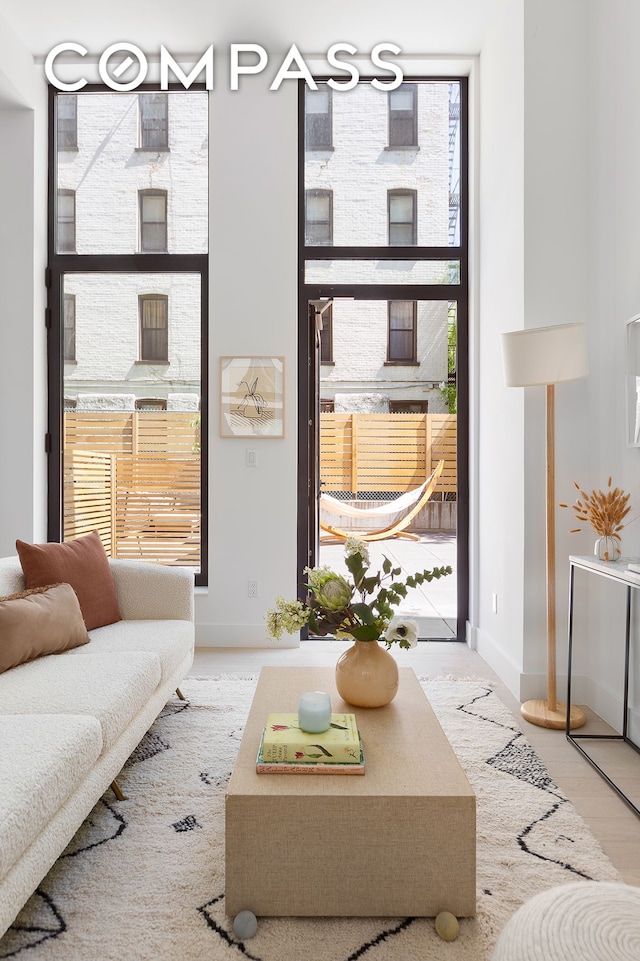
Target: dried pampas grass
<point>603,510</point>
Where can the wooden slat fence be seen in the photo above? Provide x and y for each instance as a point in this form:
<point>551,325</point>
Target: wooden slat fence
<point>135,477</point>
<point>89,485</point>
<point>386,452</point>
<point>133,432</point>
<point>158,508</point>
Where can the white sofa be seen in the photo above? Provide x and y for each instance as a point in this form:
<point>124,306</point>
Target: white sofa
<point>69,721</point>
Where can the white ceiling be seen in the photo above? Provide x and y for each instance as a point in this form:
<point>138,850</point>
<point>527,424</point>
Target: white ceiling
<point>440,27</point>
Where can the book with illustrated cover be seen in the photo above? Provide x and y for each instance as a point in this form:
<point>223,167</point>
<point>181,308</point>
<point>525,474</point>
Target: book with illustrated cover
<point>283,740</point>
<point>309,766</point>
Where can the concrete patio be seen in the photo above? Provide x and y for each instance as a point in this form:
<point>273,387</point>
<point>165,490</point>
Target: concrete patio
<point>433,605</point>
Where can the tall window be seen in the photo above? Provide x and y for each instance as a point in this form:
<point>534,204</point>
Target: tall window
<point>114,270</point>
<point>395,270</point>
<point>401,343</point>
<point>154,328</point>
<point>153,221</point>
<point>69,326</point>
<point>66,221</point>
<point>68,122</point>
<point>154,121</point>
<point>402,217</point>
<point>403,116</point>
<point>318,119</point>
<point>319,217</point>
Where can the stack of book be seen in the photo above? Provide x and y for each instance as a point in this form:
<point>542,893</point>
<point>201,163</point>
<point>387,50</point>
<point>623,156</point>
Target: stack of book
<point>286,749</point>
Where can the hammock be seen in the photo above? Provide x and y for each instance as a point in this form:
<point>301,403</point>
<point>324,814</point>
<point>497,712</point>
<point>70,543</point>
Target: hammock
<point>397,513</point>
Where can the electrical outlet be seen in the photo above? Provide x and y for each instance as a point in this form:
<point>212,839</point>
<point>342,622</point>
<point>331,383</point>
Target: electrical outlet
<point>252,588</point>
<point>494,602</point>
<point>251,458</point>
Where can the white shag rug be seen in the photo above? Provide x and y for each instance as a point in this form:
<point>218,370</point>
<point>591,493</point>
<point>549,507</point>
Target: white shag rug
<point>143,879</point>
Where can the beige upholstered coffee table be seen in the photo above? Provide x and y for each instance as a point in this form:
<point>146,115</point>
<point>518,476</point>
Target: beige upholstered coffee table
<point>400,841</point>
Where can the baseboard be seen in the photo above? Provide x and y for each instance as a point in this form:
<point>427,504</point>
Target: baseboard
<point>241,635</point>
<point>506,669</point>
<point>608,704</point>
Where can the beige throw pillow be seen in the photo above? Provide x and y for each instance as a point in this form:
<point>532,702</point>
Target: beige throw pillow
<point>46,620</point>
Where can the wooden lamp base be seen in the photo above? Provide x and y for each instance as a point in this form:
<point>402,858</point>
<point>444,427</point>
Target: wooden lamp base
<point>538,712</point>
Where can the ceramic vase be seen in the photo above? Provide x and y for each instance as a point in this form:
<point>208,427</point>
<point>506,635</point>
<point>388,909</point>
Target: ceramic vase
<point>367,675</point>
<point>607,548</point>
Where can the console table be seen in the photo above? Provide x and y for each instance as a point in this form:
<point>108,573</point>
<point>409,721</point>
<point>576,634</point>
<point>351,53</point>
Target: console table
<point>615,571</point>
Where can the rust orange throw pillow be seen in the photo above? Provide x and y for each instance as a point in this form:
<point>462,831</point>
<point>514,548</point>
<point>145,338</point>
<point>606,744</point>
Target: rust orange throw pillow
<point>83,563</point>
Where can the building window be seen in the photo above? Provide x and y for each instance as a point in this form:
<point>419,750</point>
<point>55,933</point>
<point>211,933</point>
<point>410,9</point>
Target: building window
<point>318,217</point>
<point>67,122</point>
<point>327,406</point>
<point>402,217</point>
<point>153,221</point>
<point>403,116</point>
<point>408,406</point>
<point>154,121</point>
<point>151,403</point>
<point>318,119</point>
<point>66,221</point>
<point>154,328</point>
<point>401,341</point>
<point>326,336</point>
<point>69,325</point>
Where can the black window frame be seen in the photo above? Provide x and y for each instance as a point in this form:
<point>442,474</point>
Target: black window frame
<point>318,130</point>
<point>392,194</point>
<point>153,193</point>
<point>325,195</point>
<point>153,134</point>
<point>407,359</point>
<point>59,265</point>
<point>398,122</point>
<point>145,355</point>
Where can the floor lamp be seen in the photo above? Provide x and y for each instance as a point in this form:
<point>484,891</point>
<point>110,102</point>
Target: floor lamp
<point>545,356</point>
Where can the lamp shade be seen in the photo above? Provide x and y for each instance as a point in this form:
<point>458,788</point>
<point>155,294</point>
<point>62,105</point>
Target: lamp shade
<point>545,355</point>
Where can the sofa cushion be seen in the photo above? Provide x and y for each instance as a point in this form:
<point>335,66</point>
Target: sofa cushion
<point>43,760</point>
<point>111,687</point>
<point>11,576</point>
<point>172,641</point>
<point>84,564</point>
<point>44,620</point>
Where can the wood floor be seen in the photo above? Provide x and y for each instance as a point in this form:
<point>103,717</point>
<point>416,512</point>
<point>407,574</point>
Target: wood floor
<point>610,819</point>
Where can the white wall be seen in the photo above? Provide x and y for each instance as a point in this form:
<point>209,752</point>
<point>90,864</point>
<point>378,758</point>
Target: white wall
<point>497,429</point>
<point>613,93</point>
<point>556,281</point>
<point>559,195</point>
<point>253,309</point>
<point>22,296</point>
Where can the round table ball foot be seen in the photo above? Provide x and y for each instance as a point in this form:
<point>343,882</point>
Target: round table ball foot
<point>245,925</point>
<point>447,926</point>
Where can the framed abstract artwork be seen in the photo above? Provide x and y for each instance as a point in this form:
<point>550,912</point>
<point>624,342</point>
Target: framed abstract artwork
<point>252,396</point>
